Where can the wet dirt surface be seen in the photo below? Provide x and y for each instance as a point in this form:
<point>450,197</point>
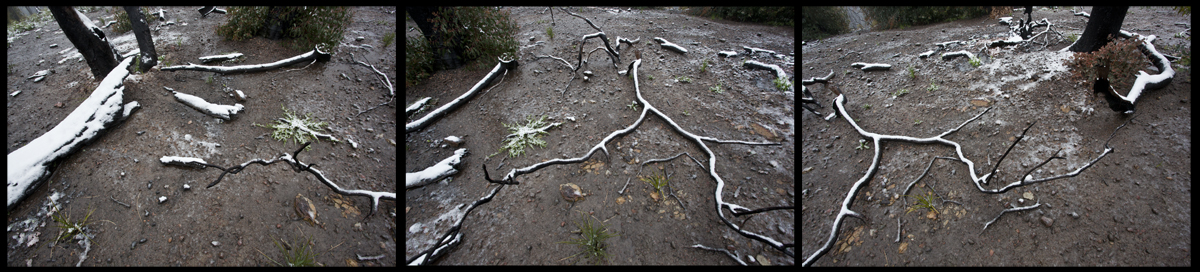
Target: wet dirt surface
<point>246,211</point>
<point>1130,208</point>
<point>525,223</point>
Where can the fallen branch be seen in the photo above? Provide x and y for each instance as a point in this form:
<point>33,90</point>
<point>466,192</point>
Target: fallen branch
<point>204,11</point>
<point>316,54</point>
<point>105,108</point>
<point>220,57</point>
<point>948,56</point>
<point>434,173</point>
<point>218,111</point>
<point>1017,209</point>
<point>438,113</point>
<point>779,73</point>
<point>669,45</point>
<point>871,66</point>
<point>297,166</point>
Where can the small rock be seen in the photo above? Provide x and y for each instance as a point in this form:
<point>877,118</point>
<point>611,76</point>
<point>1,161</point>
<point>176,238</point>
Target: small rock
<point>1074,215</point>
<point>215,243</point>
<point>763,260</point>
<point>1047,221</point>
<point>187,187</point>
<point>58,105</point>
<point>359,38</point>
<point>162,199</point>
<point>143,241</point>
<point>1028,195</point>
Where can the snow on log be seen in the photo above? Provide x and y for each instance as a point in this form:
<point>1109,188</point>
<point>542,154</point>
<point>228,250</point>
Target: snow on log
<point>183,161</point>
<point>1147,81</point>
<point>727,54</point>
<point>220,57</point>
<point>756,50</point>
<point>424,121</point>
<point>1006,20</point>
<point>928,53</point>
<point>219,111</point>
<point>951,55</point>
<point>316,54</point>
<point>434,173</point>
<point>27,166</point>
<point>779,73</point>
<point>669,45</point>
<point>204,11</point>
<point>871,66</point>
<point>417,105</point>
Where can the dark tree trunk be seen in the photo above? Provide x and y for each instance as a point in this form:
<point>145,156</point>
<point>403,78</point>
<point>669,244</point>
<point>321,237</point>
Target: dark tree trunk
<point>90,42</point>
<point>448,55</point>
<point>1104,21</point>
<point>145,41</point>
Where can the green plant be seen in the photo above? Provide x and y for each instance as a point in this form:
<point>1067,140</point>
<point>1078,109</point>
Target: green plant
<point>975,62</point>
<point>309,26</point>
<point>716,89</point>
<point>291,126</point>
<point>862,144</point>
<point>900,93</point>
<point>527,135</point>
<point>912,74</point>
<point>301,256</point>
<point>209,79</point>
<point>388,38</point>
<point>651,77</point>
<point>480,32</point>
<point>1121,57</point>
<point>684,79</point>
<point>782,84</point>
<point>704,66</point>
<point>70,229</point>
<point>550,32</point>
<point>686,113</point>
<point>932,87</point>
<point>591,240</point>
<point>918,122</point>
<point>633,105</point>
<point>658,181</point>
<point>866,106</point>
<point>923,202</point>
<point>1073,37</point>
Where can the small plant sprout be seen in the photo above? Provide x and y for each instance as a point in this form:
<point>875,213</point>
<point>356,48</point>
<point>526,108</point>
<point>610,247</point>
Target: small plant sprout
<point>716,89</point>
<point>71,229</point>
<point>782,84</point>
<point>923,202</point>
<point>862,144</point>
<point>975,62</point>
<point>299,256</point>
<point>591,240</point>
<point>912,73</point>
<point>658,181</point>
<point>291,126</point>
<point>633,105</point>
<point>932,87</point>
<point>900,93</point>
<point>918,122</point>
<point>527,135</point>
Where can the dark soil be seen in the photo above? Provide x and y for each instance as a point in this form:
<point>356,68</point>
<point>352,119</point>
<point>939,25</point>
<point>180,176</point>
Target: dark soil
<point>1130,208</point>
<point>525,223</point>
<point>247,211</point>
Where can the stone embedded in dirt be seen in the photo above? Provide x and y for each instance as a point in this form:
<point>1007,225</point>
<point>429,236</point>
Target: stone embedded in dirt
<point>58,105</point>
<point>1047,221</point>
<point>1074,215</point>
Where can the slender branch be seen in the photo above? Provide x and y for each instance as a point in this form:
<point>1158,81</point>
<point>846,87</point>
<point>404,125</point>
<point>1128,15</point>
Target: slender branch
<point>1010,147</point>
<point>1017,209</point>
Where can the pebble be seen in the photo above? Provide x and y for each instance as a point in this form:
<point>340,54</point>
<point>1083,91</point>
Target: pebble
<point>1074,215</point>
<point>215,243</point>
<point>1047,221</point>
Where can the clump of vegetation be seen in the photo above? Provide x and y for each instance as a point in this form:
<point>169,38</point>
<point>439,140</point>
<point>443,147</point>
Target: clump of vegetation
<point>658,182</point>
<point>900,93</point>
<point>912,74</point>
<point>1120,56</point>
<point>388,38</point>
<point>704,66</point>
<point>633,105</point>
<point>901,17</point>
<point>591,240</point>
<point>70,229</point>
<point>975,62</point>
<point>550,32</point>
<point>527,135</point>
<point>821,22</point>
<point>301,256</point>
<point>923,202</point>
<point>481,33</point>
<point>716,89</point>
<point>932,87</point>
<point>292,127</point>
<point>307,26</point>
<point>122,19</point>
<point>782,84</point>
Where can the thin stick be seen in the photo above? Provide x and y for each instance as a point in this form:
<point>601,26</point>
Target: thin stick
<point>1017,209</point>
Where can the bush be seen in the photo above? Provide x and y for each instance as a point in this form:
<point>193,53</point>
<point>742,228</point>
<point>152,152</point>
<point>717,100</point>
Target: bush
<point>310,25</point>
<point>482,33</point>
<point>1122,58</point>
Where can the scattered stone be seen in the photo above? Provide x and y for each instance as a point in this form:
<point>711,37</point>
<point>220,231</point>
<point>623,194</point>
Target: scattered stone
<point>1074,215</point>
<point>763,260</point>
<point>215,243</point>
<point>1028,195</point>
<point>1047,221</point>
<point>162,199</point>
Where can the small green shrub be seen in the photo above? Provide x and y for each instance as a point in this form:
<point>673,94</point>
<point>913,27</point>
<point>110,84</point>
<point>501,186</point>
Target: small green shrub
<point>550,32</point>
<point>1121,57</point>
<point>311,26</point>
<point>591,240</point>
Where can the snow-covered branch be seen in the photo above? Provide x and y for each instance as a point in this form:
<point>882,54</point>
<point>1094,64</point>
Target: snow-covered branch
<point>871,66</point>
<point>220,57</point>
<point>218,111</point>
<point>102,110</point>
<point>316,54</point>
<point>669,45</point>
<point>779,73</point>
<point>424,121</point>
<point>1145,81</point>
<point>434,173</point>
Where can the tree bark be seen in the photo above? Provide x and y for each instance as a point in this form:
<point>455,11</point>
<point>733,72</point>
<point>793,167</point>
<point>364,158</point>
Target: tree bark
<point>1104,21</point>
<point>89,41</point>
<point>145,41</point>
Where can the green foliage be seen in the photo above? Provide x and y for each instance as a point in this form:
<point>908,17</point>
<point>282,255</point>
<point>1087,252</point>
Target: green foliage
<point>527,135</point>
<point>658,181</point>
<point>69,229</point>
<point>685,79</point>
<point>550,32</point>
<point>311,25</point>
<point>388,38</point>
<point>122,19</point>
<point>777,16</point>
<point>975,62</point>
<point>716,89</point>
<point>900,93</point>
<point>1073,37</point>
<point>591,240</point>
<point>862,144</point>
<point>782,84</point>
<point>298,256</point>
<point>923,202</point>
<point>891,17</point>
<point>932,87</point>
<point>633,105</point>
<point>704,66</point>
<point>482,33</point>
<point>1120,56</point>
<point>292,127</point>
<point>912,74</point>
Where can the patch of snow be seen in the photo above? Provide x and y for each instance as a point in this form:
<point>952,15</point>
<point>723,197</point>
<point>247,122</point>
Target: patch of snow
<point>219,111</point>
<point>438,171</point>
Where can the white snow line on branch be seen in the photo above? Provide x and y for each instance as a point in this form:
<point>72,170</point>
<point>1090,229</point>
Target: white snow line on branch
<point>316,54</point>
<point>756,50</point>
<point>1017,209</point>
<point>218,111</point>
<point>183,161</point>
<point>1144,80</point>
<point>27,166</point>
<point>871,66</point>
<point>779,73</point>
<point>424,121</point>
<point>963,53</point>
<point>669,45</point>
<point>220,57</point>
<point>434,173</point>
<point>416,105</point>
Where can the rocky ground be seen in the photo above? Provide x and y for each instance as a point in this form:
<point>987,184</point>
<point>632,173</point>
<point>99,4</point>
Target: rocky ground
<point>1130,208</point>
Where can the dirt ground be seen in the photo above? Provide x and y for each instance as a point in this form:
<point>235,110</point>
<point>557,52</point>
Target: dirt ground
<point>1133,207</point>
<point>246,211</point>
<point>525,223</point>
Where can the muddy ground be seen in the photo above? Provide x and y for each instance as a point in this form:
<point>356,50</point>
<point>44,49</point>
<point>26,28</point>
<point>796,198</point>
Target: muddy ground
<point>1133,207</point>
<point>524,223</point>
<point>246,211</point>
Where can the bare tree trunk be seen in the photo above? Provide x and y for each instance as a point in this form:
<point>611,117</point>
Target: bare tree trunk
<point>89,41</point>
<point>145,41</point>
<point>1103,22</point>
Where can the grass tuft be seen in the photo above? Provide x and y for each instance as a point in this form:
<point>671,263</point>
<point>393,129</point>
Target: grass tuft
<point>591,240</point>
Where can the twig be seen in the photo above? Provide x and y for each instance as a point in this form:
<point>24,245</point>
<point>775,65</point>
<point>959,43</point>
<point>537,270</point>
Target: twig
<point>734,257</point>
<point>1017,209</point>
<point>119,202</point>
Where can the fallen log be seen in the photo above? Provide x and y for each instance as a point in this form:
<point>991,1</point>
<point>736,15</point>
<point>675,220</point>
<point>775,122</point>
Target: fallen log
<point>102,110</point>
<point>424,121</point>
<point>669,45</point>
<point>218,111</point>
<point>220,57</point>
<point>204,11</point>
<point>871,66</point>
<point>779,73</point>
<point>434,173</point>
<point>316,54</point>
